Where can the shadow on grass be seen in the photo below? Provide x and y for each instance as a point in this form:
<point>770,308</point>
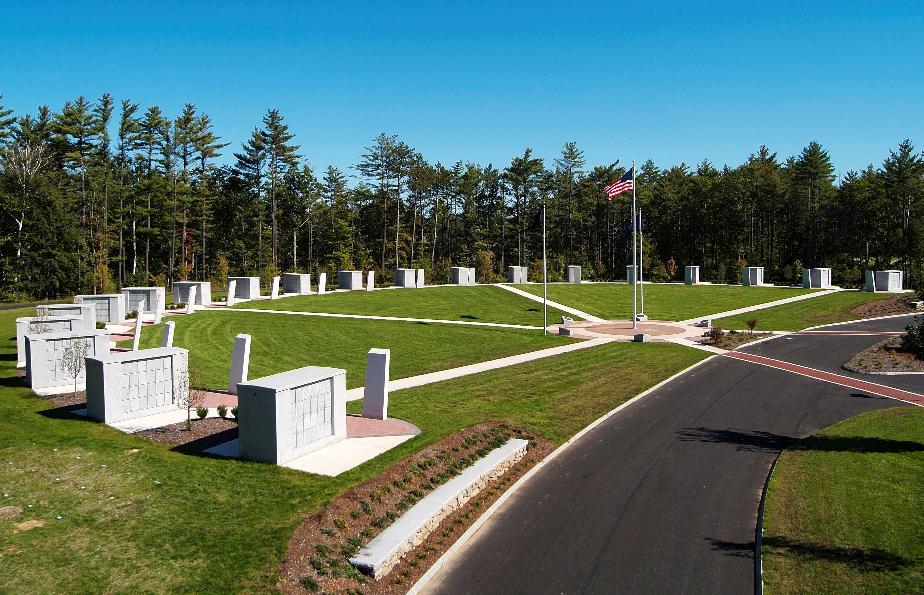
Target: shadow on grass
<point>768,442</point>
<point>66,413</point>
<point>469,317</point>
<point>865,560</point>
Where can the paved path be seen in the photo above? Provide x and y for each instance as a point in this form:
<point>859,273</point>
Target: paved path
<point>370,317</point>
<point>401,383</point>
<point>562,307</point>
<point>663,496</point>
<point>789,300</point>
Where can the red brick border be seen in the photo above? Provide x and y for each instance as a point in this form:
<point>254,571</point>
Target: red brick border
<point>863,385</point>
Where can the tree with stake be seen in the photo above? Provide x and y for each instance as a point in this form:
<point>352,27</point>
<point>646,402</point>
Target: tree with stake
<point>72,359</point>
<point>752,324</point>
<point>187,396</point>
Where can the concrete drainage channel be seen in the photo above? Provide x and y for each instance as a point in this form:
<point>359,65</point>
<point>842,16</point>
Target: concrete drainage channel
<point>386,550</point>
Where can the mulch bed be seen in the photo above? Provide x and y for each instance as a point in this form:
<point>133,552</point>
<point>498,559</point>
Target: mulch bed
<point>896,305</point>
<point>885,356</point>
<point>733,339</point>
<point>203,433</point>
<point>317,559</point>
<point>68,399</point>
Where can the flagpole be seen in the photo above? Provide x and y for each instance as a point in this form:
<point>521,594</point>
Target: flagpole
<point>641,257</point>
<point>634,262</point>
<point>545,280</point>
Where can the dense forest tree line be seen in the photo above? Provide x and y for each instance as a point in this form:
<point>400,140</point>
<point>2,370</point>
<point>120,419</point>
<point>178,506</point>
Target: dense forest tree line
<point>99,195</point>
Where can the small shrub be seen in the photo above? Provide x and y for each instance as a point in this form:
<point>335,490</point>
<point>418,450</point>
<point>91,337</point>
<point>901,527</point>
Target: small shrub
<point>318,564</point>
<point>716,333</point>
<point>321,549</point>
<point>340,524</point>
<point>100,325</point>
<point>367,508</point>
<point>222,411</point>
<point>913,339</point>
<point>133,314</point>
<point>309,584</point>
<point>202,412</point>
<point>752,324</point>
<point>234,411</point>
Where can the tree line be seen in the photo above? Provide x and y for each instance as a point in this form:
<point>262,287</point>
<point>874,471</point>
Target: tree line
<point>100,195</point>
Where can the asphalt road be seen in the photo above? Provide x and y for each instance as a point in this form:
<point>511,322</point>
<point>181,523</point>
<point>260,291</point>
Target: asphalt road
<point>663,497</point>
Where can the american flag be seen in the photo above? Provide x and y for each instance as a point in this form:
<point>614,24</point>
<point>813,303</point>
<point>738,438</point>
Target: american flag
<point>623,184</point>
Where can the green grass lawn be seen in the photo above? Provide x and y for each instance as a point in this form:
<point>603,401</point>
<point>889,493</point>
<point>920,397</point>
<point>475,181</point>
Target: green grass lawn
<point>475,304</point>
<point>662,301</point>
<point>826,309</point>
<point>137,516</point>
<point>282,342</point>
<point>843,513</point>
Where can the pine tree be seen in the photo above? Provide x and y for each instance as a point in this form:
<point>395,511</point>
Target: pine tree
<point>280,157</point>
<point>7,121</point>
<point>249,166</point>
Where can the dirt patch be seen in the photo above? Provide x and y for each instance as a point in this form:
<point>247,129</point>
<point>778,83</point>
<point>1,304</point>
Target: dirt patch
<point>67,399</point>
<point>203,433</point>
<point>896,305</point>
<point>27,525</point>
<point>8,512</point>
<point>318,554</point>
<point>885,356</point>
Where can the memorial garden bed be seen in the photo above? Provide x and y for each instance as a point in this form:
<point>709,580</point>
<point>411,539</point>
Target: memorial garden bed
<point>733,339</point>
<point>843,508</point>
<point>282,342</point>
<point>317,559</point>
<point>663,301</point>
<point>471,304</point>
<point>885,357</point>
<point>832,308</point>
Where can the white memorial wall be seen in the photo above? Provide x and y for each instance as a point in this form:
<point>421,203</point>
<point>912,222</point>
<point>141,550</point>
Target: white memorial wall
<point>45,369</point>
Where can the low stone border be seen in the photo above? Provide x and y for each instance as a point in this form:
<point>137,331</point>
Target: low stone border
<point>386,550</point>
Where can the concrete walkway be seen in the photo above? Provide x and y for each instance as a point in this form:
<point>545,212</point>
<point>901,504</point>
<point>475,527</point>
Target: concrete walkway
<point>414,381</point>
<point>789,300</point>
<point>562,307</point>
<point>390,318</point>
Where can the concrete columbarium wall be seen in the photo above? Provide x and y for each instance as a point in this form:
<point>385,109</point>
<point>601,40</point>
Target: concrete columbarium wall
<point>285,416</point>
<point>52,324</point>
<point>110,307</point>
<point>155,299</point>
<point>752,276</point>
<point>516,274</point>
<point>203,295</point>
<point>298,283</point>
<point>574,274</point>
<point>86,311</point>
<point>133,384</point>
<point>246,288</point>
<point>691,275</point>
<point>352,280</point>
<point>45,371</point>
<point>405,278</point>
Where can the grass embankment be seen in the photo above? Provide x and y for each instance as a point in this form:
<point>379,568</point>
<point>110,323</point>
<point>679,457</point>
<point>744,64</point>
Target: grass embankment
<point>843,510</point>
<point>663,301</point>
<point>795,316</point>
<point>137,516</point>
<point>282,342</point>
<point>474,304</point>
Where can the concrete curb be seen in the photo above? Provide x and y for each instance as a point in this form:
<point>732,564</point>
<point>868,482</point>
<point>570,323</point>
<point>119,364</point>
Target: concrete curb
<point>759,532</point>
<point>486,515</point>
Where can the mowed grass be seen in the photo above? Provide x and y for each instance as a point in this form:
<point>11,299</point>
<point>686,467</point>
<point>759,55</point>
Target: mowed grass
<point>138,517</point>
<point>475,304</point>
<point>282,342</point>
<point>843,512</point>
<point>663,301</point>
<point>825,309</point>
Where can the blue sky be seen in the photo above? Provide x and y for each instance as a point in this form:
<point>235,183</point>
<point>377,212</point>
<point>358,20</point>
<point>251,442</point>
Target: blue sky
<point>480,81</point>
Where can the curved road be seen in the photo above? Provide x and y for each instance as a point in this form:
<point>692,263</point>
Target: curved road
<point>663,497</point>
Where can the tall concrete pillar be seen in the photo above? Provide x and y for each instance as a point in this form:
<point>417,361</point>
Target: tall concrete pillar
<point>191,302</point>
<point>375,393</point>
<point>274,289</point>
<point>322,283</point>
<point>370,280</point>
<point>240,362</point>
<point>136,339</point>
<point>166,340</point>
<point>232,287</point>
